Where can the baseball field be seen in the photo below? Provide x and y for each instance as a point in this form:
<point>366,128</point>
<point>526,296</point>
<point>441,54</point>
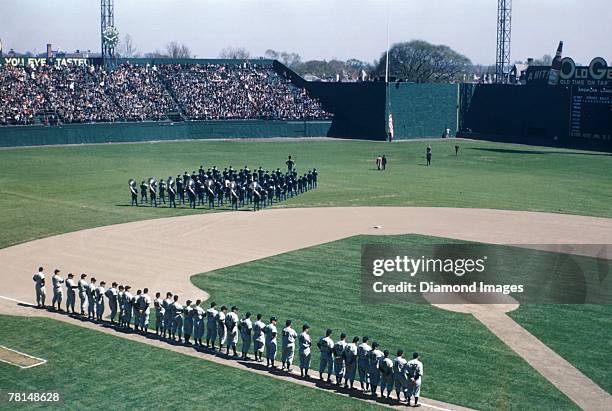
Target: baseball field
<point>68,207</point>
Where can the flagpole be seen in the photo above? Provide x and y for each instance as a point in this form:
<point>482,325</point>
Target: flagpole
<point>387,100</point>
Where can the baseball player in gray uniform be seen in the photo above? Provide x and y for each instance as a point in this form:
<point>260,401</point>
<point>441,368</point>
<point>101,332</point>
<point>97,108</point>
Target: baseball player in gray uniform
<point>168,316</point>
<point>160,312</point>
<point>246,330</point>
<point>326,344</point>
<point>177,319</point>
<point>145,310</point>
<point>127,307</point>
<point>99,297</point>
<point>258,338</point>
<point>39,287</point>
<point>351,363</point>
<point>231,324</point>
<point>121,304</point>
<point>113,300</point>
<point>363,363</point>
<point>386,371</point>
<point>221,329</point>
<point>288,346</point>
<point>188,322</point>
<point>211,325</point>
<point>339,355</point>
<point>58,294</point>
<point>70,293</point>
<point>305,344</point>
<point>136,309</point>
<point>91,299</point>
<point>270,333</point>
<point>399,376</point>
<point>82,286</point>
<point>414,371</point>
<point>198,323</point>
<point>376,357</point>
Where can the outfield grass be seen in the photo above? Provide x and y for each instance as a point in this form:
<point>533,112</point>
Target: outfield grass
<point>51,190</point>
<point>464,362</point>
<point>93,370</point>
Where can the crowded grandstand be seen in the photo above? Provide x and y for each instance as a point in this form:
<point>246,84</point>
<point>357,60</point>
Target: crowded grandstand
<point>53,94</point>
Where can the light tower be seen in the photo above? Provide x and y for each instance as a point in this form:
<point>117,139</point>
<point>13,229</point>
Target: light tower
<point>504,23</point>
<point>109,36</point>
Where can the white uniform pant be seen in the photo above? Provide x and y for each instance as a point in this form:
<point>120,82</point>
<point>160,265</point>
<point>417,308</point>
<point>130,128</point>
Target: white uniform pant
<point>288,354</point>
<point>58,296</point>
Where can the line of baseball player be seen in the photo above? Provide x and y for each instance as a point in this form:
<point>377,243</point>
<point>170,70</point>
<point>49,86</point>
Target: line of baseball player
<point>177,322</point>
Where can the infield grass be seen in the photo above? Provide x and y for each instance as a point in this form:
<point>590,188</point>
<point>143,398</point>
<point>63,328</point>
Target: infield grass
<point>52,190</point>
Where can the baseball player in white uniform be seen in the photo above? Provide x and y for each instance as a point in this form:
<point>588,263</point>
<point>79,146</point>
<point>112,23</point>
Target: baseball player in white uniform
<point>326,345</point>
<point>246,331</point>
<point>113,299</point>
<point>70,293</point>
<point>231,323</point>
<point>82,286</point>
<point>160,312</point>
<point>270,333</point>
<point>363,363</point>
<point>376,357</point>
<point>39,287</point>
<point>58,294</point>
<point>351,362</point>
<point>258,338</point>
<point>145,311</point>
<point>305,343</point>
<point>167,305</point>
<point>99,298</point>
<point>221,329</point>
<point>211,325</point>
<point>91,299</point>
<point>399,376</point>
<point>288,346</point>
<point>386,371</point>
<point>414,371</point>
<point>198,323</point>
<point>187,322</point>
<point>339,355</point>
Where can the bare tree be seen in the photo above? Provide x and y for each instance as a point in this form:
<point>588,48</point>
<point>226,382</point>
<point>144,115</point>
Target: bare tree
<point>235,53</point>
<point>157,54</point>
<point>175,50</point>
<point>126,47</point>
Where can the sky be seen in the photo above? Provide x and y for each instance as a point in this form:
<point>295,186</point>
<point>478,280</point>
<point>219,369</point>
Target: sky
<point>315,29</point>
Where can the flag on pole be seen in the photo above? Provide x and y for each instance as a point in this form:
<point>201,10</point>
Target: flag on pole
<point>390,127</point>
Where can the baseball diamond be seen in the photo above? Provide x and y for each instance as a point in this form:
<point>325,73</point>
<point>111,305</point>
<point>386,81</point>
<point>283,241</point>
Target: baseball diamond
<point>305,205</point>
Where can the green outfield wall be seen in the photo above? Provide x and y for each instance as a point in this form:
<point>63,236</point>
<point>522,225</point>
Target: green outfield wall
<point>15,136</point>
<point>423,110</point>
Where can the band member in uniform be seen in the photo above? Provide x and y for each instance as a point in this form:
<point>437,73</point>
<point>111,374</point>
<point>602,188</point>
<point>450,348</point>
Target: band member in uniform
<point>153,191</point>
<point>162,191</point>
<point>133,192</point>
<point>191,193</point>
<point>143,192</point>
<point>171,193</point>
<point>180,190</point>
